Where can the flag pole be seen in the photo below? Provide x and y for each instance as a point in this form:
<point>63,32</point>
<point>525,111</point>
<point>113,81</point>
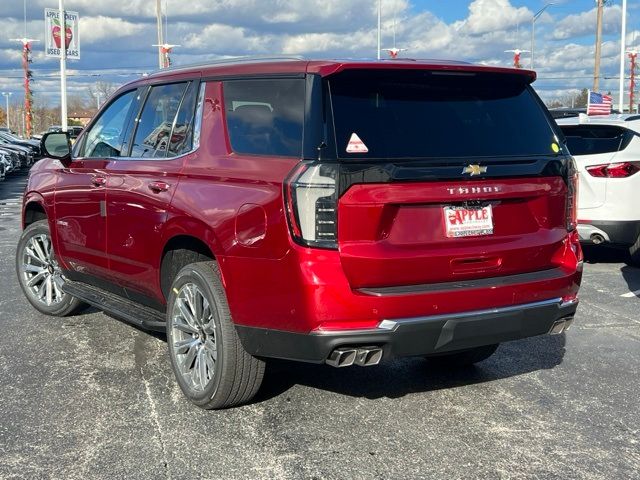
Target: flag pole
<point>622,53</point>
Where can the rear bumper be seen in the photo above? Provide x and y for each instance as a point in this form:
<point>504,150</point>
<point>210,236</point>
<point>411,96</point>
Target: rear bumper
<point>414,336</point>
<point>616,232</point>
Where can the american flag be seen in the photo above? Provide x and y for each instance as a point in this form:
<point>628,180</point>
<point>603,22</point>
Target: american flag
<point>599,104</point>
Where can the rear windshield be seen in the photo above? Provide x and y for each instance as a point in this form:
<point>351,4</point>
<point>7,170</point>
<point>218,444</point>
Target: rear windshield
<point>596,139</point>
<point>422,114</point>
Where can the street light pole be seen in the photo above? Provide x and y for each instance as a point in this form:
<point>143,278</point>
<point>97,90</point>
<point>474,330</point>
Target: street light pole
<point>63,67</point>
<point>379,24</point>
<point>6,96</point>
<point>623,48</point>
<point>533,30</point>
<point>160,33</point>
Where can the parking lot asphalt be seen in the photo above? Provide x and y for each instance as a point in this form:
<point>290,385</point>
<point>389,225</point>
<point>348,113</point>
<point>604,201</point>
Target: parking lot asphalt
<point>89,396</point>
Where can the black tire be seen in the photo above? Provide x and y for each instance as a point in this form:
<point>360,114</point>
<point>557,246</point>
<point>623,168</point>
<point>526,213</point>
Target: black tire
<point>62,303</point>
<point>234,377</point>
<point>463,358</point>
<point>634,254</point>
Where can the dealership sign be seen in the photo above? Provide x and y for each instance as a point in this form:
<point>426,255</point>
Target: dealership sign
<point>58,35</point>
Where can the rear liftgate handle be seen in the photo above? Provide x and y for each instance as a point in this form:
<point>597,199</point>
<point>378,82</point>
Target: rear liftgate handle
<point>475,264</point>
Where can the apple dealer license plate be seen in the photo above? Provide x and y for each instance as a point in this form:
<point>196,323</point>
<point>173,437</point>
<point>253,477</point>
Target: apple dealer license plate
<point>468,221</point>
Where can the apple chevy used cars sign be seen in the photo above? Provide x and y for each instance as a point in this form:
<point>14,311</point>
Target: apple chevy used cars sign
<point>59,35</point>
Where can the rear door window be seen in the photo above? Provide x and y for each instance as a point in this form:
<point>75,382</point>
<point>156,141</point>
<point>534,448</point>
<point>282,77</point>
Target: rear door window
<point>265,116</point>
<point>155,124</point>
<point>391,114</point>
<point>596,139</point>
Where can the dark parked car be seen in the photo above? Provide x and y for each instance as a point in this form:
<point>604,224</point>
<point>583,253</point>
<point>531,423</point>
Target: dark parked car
<point>319,211</point>
<point>23,154</point>
<point>32,146</point>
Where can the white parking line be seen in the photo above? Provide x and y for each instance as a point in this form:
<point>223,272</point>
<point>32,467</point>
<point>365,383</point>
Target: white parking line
<point>631,294</point>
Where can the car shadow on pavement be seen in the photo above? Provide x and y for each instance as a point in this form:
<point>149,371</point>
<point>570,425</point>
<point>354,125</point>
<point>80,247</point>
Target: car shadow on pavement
<point>605,254</point>
<point>631,275</point>
<point>404,376</point>
<point>401,377</point>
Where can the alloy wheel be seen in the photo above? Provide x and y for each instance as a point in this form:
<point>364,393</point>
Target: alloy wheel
<point>193,335</point>
<point>40,272</point>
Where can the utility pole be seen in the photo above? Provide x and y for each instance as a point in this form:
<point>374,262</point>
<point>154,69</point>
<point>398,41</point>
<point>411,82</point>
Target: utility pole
<point>596,70</point>
<point>633,54</point>
<point>160,34</point>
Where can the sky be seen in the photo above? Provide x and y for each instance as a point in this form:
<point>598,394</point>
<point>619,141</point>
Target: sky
<point>117,35</point>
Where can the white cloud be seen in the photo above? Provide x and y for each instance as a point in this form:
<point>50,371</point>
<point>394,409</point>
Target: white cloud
<point>491,15</point>
<point>585,23</point>
<point>94,29</point>
<point>119,34</point>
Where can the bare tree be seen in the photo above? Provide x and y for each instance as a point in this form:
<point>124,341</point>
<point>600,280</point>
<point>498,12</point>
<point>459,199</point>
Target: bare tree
<point>44,116</point>
<point>99,92</point>
<point>576,99</point>
<point>555,103</point>
<point>76,103</point>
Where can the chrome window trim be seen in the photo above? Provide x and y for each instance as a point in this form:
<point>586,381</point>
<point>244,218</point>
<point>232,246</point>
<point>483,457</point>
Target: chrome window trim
<point>197,126</point>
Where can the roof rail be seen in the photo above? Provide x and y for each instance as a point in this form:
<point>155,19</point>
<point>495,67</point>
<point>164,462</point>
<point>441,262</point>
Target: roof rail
<point>233,60</point>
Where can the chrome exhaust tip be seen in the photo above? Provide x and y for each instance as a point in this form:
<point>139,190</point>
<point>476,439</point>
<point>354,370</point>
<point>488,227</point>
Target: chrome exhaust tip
<point>568,323</point>
<point>342,357</point>
<point>368,356</point>
<point>560,326</point>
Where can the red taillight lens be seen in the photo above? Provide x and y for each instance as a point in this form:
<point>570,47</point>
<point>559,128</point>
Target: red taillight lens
<point>613,170</point>
<point>311,204</point>
<point>572,197</point>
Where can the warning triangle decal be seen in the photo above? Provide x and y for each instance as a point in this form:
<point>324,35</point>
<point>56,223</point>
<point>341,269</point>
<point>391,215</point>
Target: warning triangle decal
<point>356,145</point>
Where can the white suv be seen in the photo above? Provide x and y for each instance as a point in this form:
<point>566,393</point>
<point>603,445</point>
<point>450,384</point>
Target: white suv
<point>607,152</point>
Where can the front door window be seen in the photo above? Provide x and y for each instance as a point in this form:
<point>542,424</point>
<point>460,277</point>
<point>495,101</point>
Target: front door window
<point>106,136</point>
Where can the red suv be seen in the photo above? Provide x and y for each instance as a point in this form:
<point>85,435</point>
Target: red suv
<point>321,211</point>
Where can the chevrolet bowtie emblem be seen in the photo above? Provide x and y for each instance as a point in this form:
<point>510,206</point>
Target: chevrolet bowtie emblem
<point>474,170</point>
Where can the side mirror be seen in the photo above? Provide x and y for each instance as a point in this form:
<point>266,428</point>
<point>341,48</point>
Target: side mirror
<point>56,145</point>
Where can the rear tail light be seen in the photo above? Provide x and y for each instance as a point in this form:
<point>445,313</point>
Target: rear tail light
<point>613,170</point>
<point>572,197</point>
<point>311,202</point>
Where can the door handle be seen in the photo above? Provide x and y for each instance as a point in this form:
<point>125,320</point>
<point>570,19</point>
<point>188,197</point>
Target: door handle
<point>157,186</point>
<point>99,181</point>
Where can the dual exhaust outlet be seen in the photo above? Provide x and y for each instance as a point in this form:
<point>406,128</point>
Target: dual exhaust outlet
<point>369,356</point>
<point>362,356</point>
<point>562,325</point>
